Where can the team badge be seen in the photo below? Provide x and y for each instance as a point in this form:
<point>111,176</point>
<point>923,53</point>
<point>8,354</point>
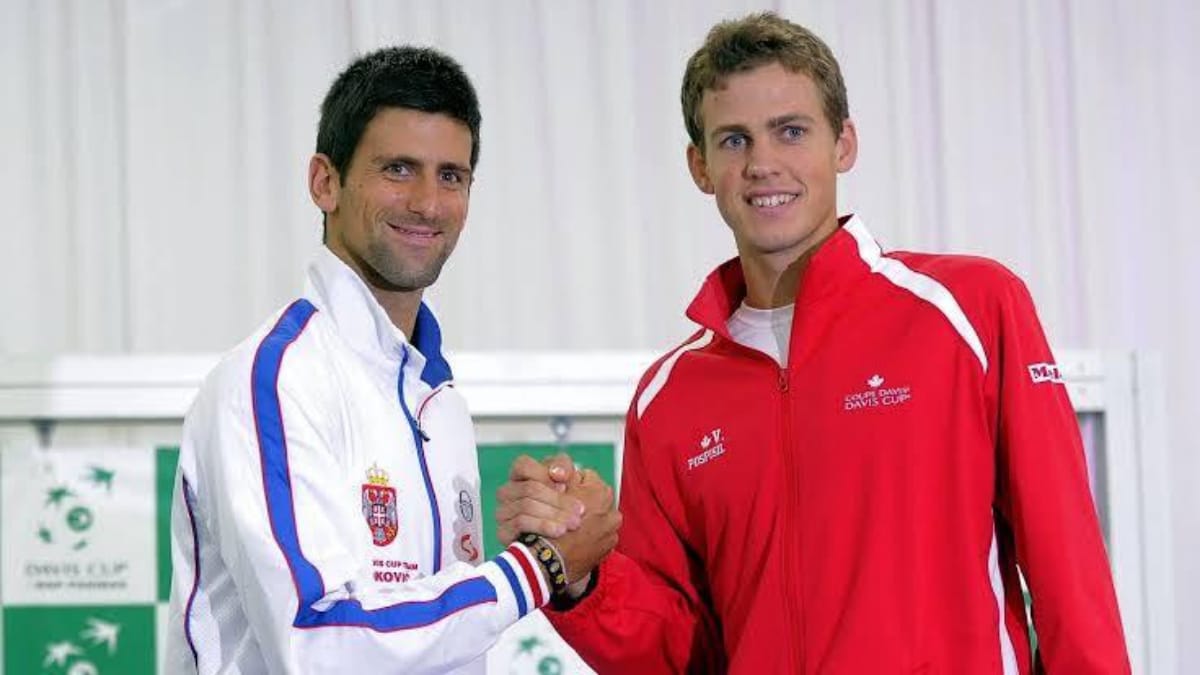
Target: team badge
<point>379,507</point>
<point>468,538</point>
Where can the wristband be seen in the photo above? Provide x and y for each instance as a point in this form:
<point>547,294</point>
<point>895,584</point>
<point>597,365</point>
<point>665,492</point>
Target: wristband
<point>550,559</point>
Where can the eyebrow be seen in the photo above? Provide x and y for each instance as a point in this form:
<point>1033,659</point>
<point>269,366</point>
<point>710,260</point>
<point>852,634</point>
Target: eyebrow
<point>783,120</point>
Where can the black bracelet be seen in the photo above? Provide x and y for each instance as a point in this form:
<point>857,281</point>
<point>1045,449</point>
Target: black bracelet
<point>550,559</point>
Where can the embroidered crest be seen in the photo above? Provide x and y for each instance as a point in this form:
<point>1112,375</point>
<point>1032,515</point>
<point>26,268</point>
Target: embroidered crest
<point>379,507</point>
<point>468,546</point>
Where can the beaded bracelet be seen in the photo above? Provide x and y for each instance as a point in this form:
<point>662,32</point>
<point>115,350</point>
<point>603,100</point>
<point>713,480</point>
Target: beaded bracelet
<point>550,559</point>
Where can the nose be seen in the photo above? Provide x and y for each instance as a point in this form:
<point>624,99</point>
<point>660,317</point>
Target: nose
<point>762,161</point>
<point>424,197</point>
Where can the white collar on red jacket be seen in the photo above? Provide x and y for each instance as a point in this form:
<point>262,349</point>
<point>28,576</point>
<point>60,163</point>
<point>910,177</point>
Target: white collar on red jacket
<point>834,265</point>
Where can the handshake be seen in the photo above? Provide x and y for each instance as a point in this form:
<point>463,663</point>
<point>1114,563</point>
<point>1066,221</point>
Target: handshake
<point>574,510</point>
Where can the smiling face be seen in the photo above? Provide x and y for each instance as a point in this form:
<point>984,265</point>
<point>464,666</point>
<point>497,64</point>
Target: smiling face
<point>397,213</point>
<point>771,159</point>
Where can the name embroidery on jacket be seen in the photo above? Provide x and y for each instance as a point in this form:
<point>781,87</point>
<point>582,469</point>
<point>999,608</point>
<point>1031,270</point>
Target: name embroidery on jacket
<point>712,446</point>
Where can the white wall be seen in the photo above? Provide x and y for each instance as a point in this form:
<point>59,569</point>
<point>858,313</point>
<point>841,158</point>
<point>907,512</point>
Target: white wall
<point>154,156</point>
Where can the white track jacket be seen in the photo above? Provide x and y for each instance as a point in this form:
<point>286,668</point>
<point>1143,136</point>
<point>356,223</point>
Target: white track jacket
<point>327,515</point>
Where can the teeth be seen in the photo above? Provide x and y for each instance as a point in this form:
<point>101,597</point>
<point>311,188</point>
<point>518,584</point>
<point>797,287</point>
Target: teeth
<point>772,200</point>
<point>418,233</point>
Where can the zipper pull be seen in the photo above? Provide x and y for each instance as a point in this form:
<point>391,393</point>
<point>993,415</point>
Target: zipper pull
<point>783,380</point>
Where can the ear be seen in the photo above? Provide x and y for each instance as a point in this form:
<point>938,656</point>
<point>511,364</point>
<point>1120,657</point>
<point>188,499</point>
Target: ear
<point>699,169</point>
<point>324,185</point>
<point>847,146</point>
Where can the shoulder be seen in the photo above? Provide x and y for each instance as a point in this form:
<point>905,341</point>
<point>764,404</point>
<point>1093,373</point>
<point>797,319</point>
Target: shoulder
<point>656,378</point>
<point>958,269</point>
<point>286,356</point>
<point>983,299</point>
<point>977,283</point>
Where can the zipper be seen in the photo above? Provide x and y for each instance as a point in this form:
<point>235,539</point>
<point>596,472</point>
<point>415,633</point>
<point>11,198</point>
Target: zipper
<point>419,439</point>
<point>791,532</point>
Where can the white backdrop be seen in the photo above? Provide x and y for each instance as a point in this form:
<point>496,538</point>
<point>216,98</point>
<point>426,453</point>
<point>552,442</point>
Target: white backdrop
<point>154,156</point>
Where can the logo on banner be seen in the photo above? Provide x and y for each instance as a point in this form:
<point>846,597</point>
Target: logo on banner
<point>535,655</point>
<point>96,643</point>
<point>67,516</point>
<point>68,550</point>
<point>79,640</point>
<point>379,507</point>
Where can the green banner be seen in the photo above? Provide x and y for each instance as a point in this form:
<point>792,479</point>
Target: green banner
<point>79,640</point>
<point>165,461</point>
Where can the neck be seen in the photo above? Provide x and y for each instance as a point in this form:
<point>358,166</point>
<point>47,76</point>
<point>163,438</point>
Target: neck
<point>401,307</point>
<point>773,279</point>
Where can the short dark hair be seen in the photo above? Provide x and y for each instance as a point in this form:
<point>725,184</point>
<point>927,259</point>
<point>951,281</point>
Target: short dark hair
<point>417,78</point>
<point>756,40</point>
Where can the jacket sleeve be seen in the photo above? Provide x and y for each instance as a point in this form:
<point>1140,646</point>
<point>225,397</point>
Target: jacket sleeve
<point>649,610</point>
<point>1044,496</point>
<point>266,488</point>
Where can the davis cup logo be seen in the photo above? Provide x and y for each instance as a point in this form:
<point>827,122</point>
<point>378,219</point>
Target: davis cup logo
<point>379,507</point>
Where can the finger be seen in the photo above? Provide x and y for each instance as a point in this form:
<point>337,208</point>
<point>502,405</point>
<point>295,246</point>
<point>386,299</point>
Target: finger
<point>525,468</point>
<point>560,467</point>
<point>510,492</point>
<point>567,514</point>
<point>538,501</point>
<point>506,534</point>
<point>547,528</point>
<point>590,477</point>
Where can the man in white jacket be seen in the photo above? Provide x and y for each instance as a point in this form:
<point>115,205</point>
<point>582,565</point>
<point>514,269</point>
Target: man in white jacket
<point>327,513</point>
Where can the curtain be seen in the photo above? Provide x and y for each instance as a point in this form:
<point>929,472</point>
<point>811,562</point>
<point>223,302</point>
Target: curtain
<point>155,154</point>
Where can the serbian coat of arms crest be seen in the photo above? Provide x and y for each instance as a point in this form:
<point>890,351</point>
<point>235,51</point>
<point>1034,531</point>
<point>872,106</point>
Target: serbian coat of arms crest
<point>379,507</point>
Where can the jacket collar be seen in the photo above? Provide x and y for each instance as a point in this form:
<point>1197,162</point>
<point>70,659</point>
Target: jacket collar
<point>832,268</point>
<point>364,325</point>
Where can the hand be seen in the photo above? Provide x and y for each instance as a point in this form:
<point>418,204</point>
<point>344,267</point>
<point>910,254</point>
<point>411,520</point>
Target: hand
<point>583,548</point>
<point>534,499</point>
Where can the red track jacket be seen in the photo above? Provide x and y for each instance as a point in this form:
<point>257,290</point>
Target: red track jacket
<point>863,510</point>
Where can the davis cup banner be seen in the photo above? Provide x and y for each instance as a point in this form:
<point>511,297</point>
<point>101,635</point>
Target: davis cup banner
<point>80,566</point>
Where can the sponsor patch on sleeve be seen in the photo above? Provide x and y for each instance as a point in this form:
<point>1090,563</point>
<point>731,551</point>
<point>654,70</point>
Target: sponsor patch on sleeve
<point>1045,372</point>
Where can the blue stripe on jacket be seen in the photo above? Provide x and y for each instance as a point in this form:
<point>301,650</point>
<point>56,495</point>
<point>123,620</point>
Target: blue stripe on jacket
<point>273,452</point>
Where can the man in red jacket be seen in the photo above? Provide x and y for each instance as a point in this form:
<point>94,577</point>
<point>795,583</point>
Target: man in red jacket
<point>844,468</point>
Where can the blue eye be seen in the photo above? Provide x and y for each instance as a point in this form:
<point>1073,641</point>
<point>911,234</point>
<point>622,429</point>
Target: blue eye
<point>397,169</point>
<point>734,141</point>
<point>794,133</point>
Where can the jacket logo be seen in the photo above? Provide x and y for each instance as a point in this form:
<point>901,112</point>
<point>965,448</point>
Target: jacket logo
<point>712,445</point>
<point>877,395</point>
<point>379,507</point>
<point>467,532</point>
<point>1045,372</point>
